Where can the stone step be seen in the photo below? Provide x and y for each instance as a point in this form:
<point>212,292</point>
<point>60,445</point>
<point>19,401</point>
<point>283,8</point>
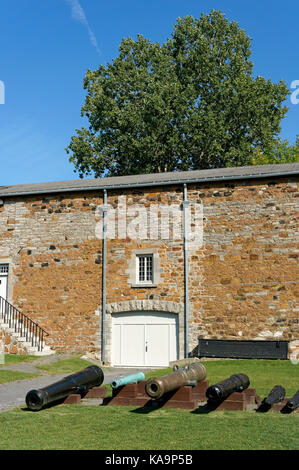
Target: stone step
<point>28,344</point>
<point>9,330</point>
<point>16,325</point>
<point>21,339</point>
<point>13,331</point>
<point>15,335</point>
<point>18,336</point>
<point>32,350</point>
<point>19,332</point>
<point>44,352</point>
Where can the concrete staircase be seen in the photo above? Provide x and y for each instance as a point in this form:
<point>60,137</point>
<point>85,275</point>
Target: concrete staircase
<point>24,343</point>
<point>23,331</point>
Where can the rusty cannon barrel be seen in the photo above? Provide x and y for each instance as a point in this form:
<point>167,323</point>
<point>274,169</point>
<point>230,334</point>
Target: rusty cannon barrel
<point>293,402</point>
<point>276,395</point>
<point>157,387</point>
<point>221,390</point>
<point>79,382</point>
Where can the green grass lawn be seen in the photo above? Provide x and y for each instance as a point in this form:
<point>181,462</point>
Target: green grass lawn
<point>66,427</point>
<point>10,359</point>
<point>117,428</point>
<point>263,374</point>
<point>65,366</point>
<point>13,375</point>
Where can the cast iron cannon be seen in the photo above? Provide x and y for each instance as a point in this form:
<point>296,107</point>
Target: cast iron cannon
<point>79,382</point>
<point>276,395</point>
<point>221,390</point>
<point>157,387</point>
<point>129,379</point>
<point>293,402</point>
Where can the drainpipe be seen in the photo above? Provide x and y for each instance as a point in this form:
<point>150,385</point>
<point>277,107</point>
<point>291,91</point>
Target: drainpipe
<point>104,260</point>
<point>186,269</point>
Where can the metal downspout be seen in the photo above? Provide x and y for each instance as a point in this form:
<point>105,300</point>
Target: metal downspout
<point>104,260</point>
<point>186,270</point>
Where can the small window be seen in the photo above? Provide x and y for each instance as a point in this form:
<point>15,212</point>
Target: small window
<point>3,268</point>
<point>144,269</point>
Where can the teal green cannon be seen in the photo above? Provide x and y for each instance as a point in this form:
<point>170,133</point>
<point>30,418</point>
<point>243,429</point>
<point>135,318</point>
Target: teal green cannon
<point>129,379</point>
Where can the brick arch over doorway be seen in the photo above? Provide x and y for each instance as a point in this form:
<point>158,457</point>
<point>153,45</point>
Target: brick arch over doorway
<point>139,306</point>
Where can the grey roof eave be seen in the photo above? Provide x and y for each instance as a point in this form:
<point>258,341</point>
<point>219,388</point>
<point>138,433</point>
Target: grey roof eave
<point>149,184</point>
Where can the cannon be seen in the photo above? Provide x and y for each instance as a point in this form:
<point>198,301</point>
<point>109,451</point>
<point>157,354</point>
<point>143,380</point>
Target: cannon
<point>293,402</point>
<point>79,382</point>
<point>221,390</point>
<point>157,387</point>
<point>129,379</point>
<point>276,395</point>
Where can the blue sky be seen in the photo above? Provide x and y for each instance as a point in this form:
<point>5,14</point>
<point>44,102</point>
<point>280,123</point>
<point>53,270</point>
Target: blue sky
<point>46,46</point>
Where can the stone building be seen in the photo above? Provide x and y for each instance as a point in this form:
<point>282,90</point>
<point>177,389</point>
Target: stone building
<point>136,269</point>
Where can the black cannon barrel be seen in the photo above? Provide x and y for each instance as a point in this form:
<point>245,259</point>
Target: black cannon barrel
<point>221,390</point>
<point>293,402</point>
<point>276,395</point>
<point>79,382</point>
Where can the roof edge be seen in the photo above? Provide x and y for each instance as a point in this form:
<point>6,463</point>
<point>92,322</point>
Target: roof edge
<point>150,184</point>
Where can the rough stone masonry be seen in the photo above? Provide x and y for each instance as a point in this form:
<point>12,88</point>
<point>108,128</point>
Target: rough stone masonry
<point>243,280</point>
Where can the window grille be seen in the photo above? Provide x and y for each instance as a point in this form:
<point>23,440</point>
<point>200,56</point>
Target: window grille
<point>3,268</point>
<point>145,268</point>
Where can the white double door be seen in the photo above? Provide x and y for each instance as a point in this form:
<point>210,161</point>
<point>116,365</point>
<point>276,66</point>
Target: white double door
<point>145,339</point>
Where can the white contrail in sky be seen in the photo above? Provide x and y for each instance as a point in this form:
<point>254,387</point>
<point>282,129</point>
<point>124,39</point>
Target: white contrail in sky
<point>79,15</point>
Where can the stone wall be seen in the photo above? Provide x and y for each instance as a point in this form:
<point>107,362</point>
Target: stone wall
<point>10,345</point>
<point>251,262</point>
<point>243,281</point>
<point>55,275</point>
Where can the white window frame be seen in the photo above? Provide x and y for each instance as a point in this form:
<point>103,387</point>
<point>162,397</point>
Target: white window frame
<point>133,268</point>
<point>148,259</point>
<point>4,269</point>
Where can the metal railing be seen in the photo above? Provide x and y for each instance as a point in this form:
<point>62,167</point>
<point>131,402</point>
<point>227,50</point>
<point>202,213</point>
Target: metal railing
<point>22,324</point>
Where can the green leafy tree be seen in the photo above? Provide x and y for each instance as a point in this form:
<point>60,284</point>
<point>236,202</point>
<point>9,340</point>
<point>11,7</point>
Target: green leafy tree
<point>190,103</point>
<point>281,151</point>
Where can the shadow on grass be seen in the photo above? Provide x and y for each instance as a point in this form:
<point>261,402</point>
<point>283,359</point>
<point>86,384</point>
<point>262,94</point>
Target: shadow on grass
<point>207,407</point>
<point>286,410</point>
<point>265,407</point>
<point>148,407</point>
<point>45,407</point>
<point>57,402</point>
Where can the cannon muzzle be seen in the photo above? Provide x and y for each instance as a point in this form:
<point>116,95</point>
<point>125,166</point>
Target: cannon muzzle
<point>221,390</point>
<point>157,387</point>
<point>276,395</point>
<point>293,402</point>
<point>129,379</point>
<point>79,382</point>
